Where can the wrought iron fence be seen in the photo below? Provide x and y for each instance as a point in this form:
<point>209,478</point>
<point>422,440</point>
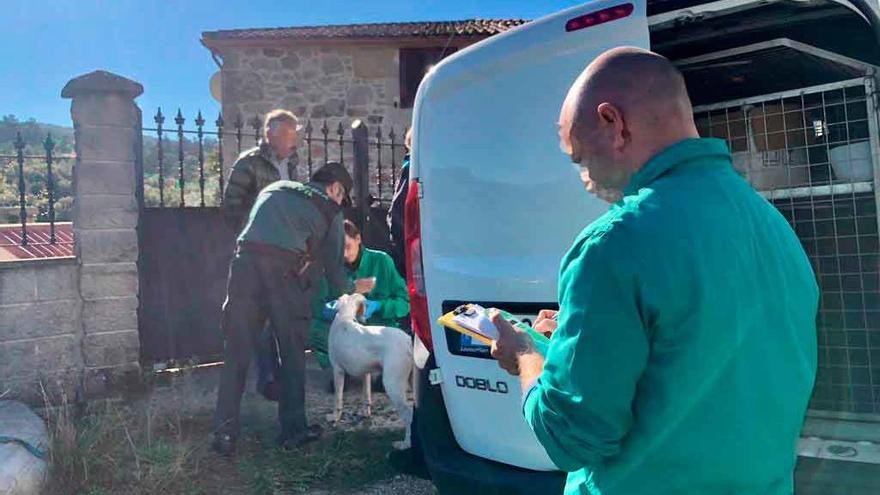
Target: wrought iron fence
<point>159,169</point>
<point>30,188</point>
<point>194,176</point>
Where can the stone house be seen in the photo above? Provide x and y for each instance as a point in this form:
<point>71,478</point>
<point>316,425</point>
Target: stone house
<point>337,73</point>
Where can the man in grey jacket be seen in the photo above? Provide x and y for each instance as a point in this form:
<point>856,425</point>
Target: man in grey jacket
<point>274,159</point>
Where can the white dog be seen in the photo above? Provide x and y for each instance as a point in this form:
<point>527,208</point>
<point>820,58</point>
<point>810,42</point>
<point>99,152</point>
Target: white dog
<point>360,350</point>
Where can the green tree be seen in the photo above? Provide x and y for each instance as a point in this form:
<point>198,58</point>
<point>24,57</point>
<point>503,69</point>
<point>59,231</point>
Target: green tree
<point>35,168</point>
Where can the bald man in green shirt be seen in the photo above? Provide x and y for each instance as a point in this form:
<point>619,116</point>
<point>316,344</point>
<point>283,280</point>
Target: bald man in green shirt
<point>684,352</point>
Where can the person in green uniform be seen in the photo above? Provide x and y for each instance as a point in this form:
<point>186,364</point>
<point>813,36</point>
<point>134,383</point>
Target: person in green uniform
<point>683,354</point>
<point>374,275</point>
<point>275,158</point>
<point>292,239</point>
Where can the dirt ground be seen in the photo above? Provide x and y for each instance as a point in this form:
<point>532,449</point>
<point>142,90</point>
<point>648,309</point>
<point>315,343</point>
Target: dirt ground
<point>159,443</point>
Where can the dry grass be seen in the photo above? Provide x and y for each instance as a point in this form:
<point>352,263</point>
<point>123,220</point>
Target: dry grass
<point>339,463</point>
<point>159,444</point>
<point>112,447</point>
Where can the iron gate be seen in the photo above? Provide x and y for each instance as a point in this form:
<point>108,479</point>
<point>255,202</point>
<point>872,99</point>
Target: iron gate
<point>185,244</point>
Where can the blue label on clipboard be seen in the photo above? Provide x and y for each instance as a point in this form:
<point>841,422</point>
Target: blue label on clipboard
<point>469,343</point>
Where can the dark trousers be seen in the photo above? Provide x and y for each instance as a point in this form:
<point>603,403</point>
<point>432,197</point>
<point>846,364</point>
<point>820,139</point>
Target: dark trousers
<point>267,361</point>
<point>260,288</point>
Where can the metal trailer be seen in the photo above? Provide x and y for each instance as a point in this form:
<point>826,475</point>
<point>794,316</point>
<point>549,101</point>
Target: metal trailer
<point>814,152</point>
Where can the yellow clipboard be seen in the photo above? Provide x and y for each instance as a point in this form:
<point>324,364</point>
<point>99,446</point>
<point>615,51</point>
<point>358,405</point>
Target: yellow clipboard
<point>540,340</point>
<point>448,321</point>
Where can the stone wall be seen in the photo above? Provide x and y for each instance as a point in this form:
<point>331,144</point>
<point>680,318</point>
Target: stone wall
<point>40,327</point>
<point>339,82</point>
<point>333,83</point>
<point>71,324</point>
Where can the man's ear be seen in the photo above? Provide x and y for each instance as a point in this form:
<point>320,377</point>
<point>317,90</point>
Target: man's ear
<point>611,117</point>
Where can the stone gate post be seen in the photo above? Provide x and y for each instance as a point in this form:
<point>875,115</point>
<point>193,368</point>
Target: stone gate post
<point>105,217</point>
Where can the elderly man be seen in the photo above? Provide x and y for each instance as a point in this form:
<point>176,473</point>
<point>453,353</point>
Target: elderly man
<point>293,237</point>
<point>685,350</point>
<point>274,159</point>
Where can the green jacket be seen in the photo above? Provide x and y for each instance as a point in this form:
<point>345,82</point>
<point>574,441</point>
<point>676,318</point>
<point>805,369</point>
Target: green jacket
<point>686,349</point>
<point>390,292</point>
<point>301,218</point>
<point>251,172</point>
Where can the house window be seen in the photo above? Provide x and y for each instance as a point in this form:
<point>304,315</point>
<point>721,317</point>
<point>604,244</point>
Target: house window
<point>414,64</point>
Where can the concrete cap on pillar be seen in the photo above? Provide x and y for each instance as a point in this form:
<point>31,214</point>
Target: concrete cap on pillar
<point>101,82</point>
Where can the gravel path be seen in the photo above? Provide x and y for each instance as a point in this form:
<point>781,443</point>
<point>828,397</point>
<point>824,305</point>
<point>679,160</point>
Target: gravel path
<point>401,485</point>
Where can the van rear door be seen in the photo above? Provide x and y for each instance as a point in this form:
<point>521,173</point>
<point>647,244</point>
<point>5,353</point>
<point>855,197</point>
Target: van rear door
<point>501,204</point>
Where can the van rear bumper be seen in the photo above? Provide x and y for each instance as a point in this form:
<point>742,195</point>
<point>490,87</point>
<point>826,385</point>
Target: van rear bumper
<point>455,471</point>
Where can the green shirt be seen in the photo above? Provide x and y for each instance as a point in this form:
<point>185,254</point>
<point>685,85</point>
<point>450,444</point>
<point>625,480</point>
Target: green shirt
<point>686,348</point>
<point>286,215</point>
<point>390,292</point>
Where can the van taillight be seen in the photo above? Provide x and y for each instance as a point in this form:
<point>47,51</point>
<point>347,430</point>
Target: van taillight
<point>599,17</point>
<point>415,275</point>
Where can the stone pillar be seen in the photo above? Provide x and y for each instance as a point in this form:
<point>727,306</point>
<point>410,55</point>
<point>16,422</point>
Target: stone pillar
<point>105,217</point>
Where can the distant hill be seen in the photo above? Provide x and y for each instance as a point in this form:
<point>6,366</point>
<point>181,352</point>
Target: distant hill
<point>33,133</point>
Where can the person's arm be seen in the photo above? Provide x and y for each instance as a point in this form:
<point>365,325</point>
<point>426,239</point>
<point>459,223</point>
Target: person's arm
<point>319,327</point>
<point>322,297</point>
<point>395,300</point>
<point>398,203</point>
<point>334,267</point>
<point>239,195</point>
<point>580,407</point>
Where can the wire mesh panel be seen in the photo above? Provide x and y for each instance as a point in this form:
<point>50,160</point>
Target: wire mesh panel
<point>810,153</point>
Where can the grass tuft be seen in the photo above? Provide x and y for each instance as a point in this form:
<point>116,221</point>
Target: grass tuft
<point>159,444</point>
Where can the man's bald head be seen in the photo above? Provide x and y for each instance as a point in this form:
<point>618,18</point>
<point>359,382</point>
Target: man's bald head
<point>625,107</point>
<point>642,83</point>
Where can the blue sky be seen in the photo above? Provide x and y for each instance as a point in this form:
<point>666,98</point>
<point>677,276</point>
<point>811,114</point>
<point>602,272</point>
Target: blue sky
<point>157,43</point>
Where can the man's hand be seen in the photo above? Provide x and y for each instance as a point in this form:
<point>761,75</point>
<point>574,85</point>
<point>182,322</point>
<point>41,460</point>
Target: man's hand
<point>546,322</point>
<point>510,345</point>
<point>364,285</point>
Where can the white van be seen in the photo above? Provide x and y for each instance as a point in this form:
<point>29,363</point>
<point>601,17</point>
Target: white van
<point>494,204</point>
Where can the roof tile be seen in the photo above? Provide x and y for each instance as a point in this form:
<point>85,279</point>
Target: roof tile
<point>38,246</point>
<point>469,27</point>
